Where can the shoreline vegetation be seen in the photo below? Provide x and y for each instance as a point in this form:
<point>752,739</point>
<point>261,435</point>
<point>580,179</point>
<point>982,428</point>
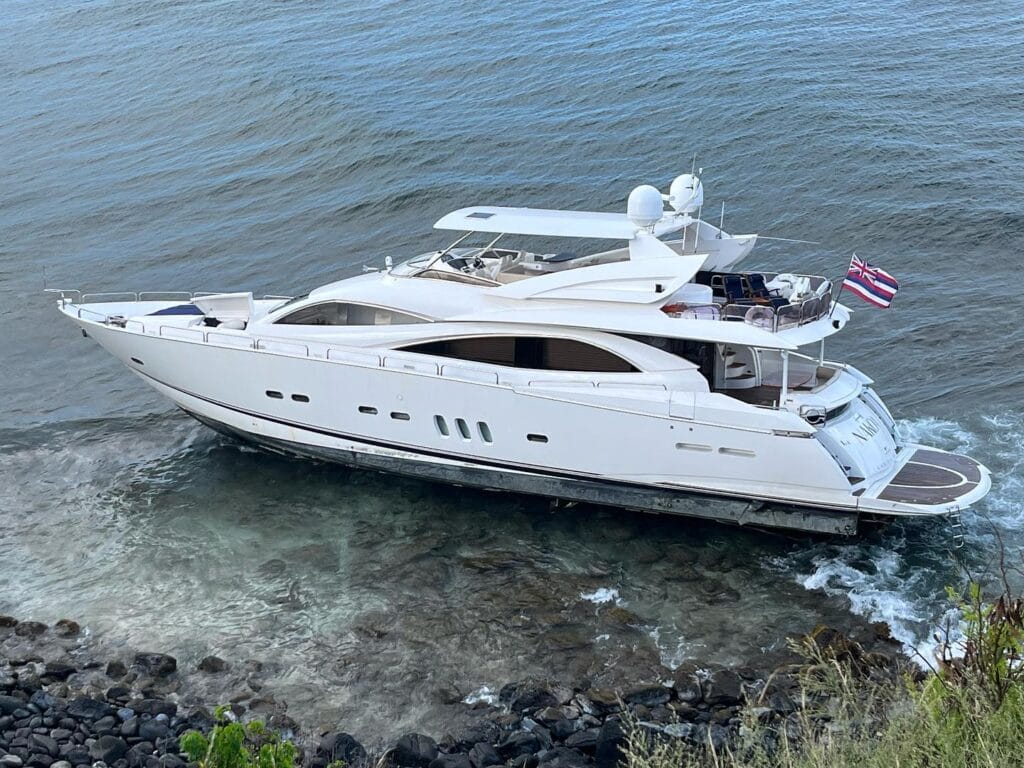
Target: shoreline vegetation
<point>838,701</point>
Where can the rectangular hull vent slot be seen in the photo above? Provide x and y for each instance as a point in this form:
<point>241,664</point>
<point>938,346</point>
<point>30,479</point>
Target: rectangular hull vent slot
<point>699,447</point>
<point>737,452</point>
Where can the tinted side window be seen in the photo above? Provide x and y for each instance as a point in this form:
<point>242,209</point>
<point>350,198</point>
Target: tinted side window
<point>536,353</point>
<point>339,313</point>
<point>497,350</point>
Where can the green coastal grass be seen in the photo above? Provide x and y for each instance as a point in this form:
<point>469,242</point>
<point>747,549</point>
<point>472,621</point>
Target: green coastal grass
<point>967,713</point>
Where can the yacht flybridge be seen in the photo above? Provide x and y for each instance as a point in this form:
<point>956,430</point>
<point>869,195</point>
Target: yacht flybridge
<point>652,376</point>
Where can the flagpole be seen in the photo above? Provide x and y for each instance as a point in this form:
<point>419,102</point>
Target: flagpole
<point>842,285</point>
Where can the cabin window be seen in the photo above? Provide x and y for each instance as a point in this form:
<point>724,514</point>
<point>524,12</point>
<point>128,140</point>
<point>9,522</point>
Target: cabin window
<point>463,429</point>
<point>485,432</point>
<point>442,426</point>
<point>537,353</point>
<point>342,313</point>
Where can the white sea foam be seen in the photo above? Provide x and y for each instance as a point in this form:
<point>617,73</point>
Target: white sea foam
<point>602,595</point>
<point>484,695</point>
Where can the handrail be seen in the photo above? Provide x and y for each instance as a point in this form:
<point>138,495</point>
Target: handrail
<point>812,308</point>
<point>354,355</point>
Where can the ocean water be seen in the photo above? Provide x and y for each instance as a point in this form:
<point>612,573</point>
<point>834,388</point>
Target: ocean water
<point>274,146</point>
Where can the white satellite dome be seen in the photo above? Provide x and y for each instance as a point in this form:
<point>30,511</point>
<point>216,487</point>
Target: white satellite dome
<point>686,195</point>
<point>645,206</point>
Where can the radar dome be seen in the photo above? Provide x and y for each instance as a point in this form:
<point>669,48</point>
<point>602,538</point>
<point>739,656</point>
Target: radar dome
<point>645,207</point>
<point>686,194</point>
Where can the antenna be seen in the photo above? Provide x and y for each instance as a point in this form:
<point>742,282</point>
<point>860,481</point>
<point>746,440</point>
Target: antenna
<point>721,222</point>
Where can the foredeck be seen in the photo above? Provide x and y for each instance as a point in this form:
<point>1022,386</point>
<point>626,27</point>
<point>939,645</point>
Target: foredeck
<point>933,477</point>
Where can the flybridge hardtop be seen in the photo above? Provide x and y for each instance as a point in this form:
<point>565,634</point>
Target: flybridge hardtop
<point>652,376</point>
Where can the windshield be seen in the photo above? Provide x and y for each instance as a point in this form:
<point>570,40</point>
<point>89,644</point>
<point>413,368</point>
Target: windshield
<point>288,303</point>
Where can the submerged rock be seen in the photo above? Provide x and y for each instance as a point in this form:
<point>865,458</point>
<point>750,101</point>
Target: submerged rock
<point>156,664</point>
<point>212,665</point>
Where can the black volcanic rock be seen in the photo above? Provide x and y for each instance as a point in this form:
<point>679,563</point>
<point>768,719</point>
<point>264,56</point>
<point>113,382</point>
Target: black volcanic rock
<point>610,740</point>
<point>482,755</point>
<point>212,665</point>
<point>85,708</point>
<point>414,750</point>
<point>340,746</point>
<point>156,664</point>
<point>108,749</point>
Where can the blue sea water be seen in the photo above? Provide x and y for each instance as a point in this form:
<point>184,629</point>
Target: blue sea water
<point>274,146</point>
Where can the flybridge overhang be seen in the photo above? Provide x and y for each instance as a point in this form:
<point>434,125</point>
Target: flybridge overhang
<point>644,222</point>
<point>547,222</point>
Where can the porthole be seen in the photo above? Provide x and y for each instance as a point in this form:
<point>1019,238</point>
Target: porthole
<point>274,394</point>
<point>400,416</point>
<point>535,438</point>
<point>368,409</point>
<point>137,361</point>
<point>463,428</point>
<point>442,426</point>
<point>485,432</point>
<point>300,398</point>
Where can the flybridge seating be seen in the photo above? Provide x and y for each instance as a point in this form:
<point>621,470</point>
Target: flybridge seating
<point>767,300</point>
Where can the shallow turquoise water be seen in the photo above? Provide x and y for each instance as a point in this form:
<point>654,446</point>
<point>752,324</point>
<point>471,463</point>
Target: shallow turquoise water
<point>274,146</point>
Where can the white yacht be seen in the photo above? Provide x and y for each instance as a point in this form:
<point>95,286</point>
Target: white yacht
<point>654,376</point>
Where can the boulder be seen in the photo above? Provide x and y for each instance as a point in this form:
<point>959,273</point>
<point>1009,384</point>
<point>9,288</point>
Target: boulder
<point>724,688</point>
<point>482,755</point>
<point>527,696</point>
<point>688,685</point>
<point>585,740</point>
<point>610,740</point>
<point>6,622</point>
<point>85,708</point>
<point>414,750</point>
<point>156,664</point>
<point>43,700</point>
<point>563,757</point>
<point>337,745</point>
<point>519,744</point>
<point>151,730</point>
<point>47,744</point>
<point>108,749</point>
<point>67,628</point>
<point>212,665</point>
<point>648,695</point>
<point>30,629</point>
<point>116,669</point>
<point>10,704</point>
<point>57,670</point>
<point>457,760</point>
<point>598,701</point>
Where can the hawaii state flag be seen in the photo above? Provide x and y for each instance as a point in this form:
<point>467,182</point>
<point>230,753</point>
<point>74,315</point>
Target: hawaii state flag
<point>874,285</point>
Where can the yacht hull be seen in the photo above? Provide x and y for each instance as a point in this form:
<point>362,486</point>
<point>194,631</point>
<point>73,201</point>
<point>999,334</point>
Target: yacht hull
<point>576,444</point>
<point>560,489</point>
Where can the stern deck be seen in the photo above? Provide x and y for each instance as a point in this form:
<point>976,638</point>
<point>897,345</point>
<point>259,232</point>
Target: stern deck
<point>933,478</point>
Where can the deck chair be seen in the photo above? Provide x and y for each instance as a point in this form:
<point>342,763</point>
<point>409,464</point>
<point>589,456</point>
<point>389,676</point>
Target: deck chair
<point>761,294</point>
<point>734,293</point>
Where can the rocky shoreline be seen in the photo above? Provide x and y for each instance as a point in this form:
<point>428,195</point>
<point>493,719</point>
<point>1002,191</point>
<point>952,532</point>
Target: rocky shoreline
<point>64,705</point>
